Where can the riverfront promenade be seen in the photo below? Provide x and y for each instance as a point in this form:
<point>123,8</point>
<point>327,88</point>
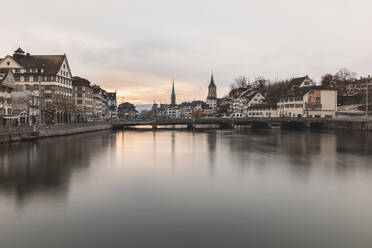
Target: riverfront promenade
<point>14,134</point>
<point>316,123</point>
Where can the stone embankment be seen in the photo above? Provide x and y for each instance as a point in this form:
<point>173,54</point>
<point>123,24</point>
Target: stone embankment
<point>28,133</point>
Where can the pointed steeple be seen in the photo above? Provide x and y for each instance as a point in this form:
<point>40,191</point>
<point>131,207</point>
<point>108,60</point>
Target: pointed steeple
<point>211,84</point>
<point>173,95</point>
<point>212,89</point>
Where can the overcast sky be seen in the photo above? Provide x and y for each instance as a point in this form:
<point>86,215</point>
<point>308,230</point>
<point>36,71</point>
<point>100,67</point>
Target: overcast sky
<point>137,47</point>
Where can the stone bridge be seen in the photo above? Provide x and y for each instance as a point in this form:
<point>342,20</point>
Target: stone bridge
<point>229,122</point>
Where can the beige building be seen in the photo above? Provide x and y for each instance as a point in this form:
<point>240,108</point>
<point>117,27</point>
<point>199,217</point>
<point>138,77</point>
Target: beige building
<point>6,87</point>
<point>82,99</point>
<point>47,78</point>
<point>313,101</point>
<point>263,110</point>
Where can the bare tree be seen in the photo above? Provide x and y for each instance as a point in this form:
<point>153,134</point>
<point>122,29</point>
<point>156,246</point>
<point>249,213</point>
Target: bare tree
<point>345,75</point>
<point>241,82</point>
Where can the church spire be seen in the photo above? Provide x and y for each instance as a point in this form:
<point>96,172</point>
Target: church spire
<point>173,95</point>
<point>212,89</point>
<point>211,84</point>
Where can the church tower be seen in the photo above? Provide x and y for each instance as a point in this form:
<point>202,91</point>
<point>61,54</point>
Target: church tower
<point>212,94</point>
<point>212,89</point>
<point>173,96</point>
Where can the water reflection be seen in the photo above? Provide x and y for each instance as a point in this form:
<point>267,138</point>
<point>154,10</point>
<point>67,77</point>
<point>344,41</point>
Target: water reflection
<point>45,166</point>
<point>171,188</point>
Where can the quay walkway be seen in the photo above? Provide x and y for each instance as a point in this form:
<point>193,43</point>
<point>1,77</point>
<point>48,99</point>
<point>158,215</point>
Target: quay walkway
<point>290,123</point>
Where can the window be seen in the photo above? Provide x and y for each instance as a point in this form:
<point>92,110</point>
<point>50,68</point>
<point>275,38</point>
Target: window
<point>27,78</point>
<point>317,98</point>
<point>27,87</point>
<point>49,78</point>
<point>79,95</point>
<point>9,111</point>
<point>17,70</point>
<point>79,101</point>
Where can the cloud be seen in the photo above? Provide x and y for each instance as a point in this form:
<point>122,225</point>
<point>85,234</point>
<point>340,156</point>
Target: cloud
<point>137,47</point>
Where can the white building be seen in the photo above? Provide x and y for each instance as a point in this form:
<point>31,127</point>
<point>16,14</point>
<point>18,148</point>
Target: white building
<point>173,112</point>
<point>53,74</point>
<point>6,87</point>
<point>241,103</point>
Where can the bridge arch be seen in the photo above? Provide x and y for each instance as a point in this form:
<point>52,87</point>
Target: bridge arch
<point>294,125</point>
<point>260,125</point>
<point>318,125</point>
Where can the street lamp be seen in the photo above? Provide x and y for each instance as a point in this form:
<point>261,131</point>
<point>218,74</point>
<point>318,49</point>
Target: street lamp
<point>368,80</point>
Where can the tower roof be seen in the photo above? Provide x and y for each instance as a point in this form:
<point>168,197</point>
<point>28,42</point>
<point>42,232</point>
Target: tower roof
<point>19,51</point>
<point>173,93</point>
<point>211,84</point>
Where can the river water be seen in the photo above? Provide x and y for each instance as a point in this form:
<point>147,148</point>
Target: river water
<point>170,188</point>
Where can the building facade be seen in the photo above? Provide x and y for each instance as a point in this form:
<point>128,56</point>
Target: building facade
<point>7,86</point>
<point>48,79</point>
<point>314,101</point>
<point>82,99</point>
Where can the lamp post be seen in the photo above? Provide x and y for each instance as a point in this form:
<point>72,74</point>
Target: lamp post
<point>368,80</point>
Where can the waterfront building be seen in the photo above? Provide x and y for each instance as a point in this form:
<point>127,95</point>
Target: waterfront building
<point>359,87</point>
<point>48,78</point>
<point>173,112</point>
<point>263,110</point>
<point>82,99</point>
<point>112,105</point>
<point>127,110</point>
<point>212,95</point>
<point>312,101</point>
<point>246,98</point>
<point>7,86</point>
<point>99,103</point>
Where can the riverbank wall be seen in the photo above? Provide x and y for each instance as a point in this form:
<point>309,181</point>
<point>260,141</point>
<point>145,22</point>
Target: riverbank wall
<point>45,132</point>
<point>362,125</point>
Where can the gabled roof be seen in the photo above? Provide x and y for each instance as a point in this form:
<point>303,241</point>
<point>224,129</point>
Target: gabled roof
<point>19,50</point>
<point>303,90</point>
<point>296,82</point>
<point>50,63</point>
<point>4,73</point>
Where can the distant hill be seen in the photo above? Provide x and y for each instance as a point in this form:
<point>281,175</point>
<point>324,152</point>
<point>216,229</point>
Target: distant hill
<point>139,108</point>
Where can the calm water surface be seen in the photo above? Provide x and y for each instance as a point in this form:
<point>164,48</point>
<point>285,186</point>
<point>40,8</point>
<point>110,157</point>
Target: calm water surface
<point>188,189</point>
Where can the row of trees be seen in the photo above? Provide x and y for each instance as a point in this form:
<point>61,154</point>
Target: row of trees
<point>277,87</point>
